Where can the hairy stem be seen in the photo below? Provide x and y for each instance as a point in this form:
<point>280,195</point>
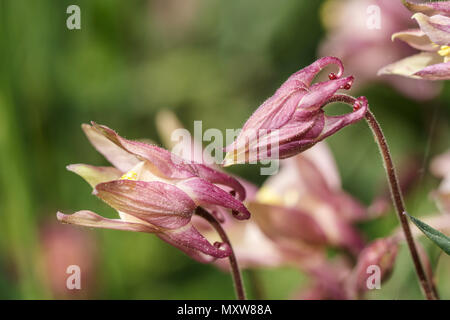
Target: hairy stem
<point>235,271</point>
<point>396,194</point>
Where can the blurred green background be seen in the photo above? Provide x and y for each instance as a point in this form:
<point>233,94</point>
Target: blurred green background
<point>209,60</point>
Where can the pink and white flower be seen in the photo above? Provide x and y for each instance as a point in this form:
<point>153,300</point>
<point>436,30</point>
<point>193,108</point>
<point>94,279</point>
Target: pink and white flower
<point>155,192</point>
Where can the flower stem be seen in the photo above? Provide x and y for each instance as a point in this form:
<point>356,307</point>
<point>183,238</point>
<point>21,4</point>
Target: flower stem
<point>396,193</point>
<point>235,271</point>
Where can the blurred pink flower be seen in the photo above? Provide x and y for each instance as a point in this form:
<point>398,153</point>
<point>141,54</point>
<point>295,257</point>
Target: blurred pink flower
<point>156,192</point>
<point>62,247</point>
<point>381,254</point>
<point>296,215</point>
<point>365,50</point>
<point>432,39</point>
<point>293,119</point>
<point>327,281</point>
<point>304,202</point>
<point>173,18</point>
<point>339,280</point>
<point>284,229</point>
<point>251,246</point>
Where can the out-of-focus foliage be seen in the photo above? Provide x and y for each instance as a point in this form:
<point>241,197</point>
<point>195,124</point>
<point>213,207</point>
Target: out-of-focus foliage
<point>212,60</point>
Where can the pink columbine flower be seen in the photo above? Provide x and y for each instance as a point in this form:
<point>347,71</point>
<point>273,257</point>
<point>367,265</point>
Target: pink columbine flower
<point>304,203</point>
<point>156,192</point>
<point>352,36</point>
<point>432,39</point>
<point>293,119</point>
<point>251,246</point>
<point>63,246</point>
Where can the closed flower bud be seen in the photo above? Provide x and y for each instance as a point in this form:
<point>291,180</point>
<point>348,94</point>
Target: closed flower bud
<point>293,119</point>
<point>375,264</point>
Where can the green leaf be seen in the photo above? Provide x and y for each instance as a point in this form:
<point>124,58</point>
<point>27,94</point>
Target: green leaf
<point>440,239</point>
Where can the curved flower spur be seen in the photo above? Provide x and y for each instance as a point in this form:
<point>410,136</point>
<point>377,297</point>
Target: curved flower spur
<point>293,119</point>
<point>154,191</point>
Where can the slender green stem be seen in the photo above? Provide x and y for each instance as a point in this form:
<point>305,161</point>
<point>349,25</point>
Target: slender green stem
<point>397,198</point>
<point>235,271</point>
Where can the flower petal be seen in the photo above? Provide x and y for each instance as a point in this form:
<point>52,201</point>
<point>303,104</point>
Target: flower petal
<point>275,111</point>
<point>116,155</point>
<point>320,92</point>
<point>439,71</point>
<point>217,177</point>
<point>190,241</point>
<point>90,219</point>
<point>307,74</point>
<point>306,131</point>
<point>278,109</point>
<point>381,253</point>
<point>437,28</point>
<point>204,192</point>
<point>409,66</point>
<point>429,8</point>
<point>416,38</point>
<point>293,131</point>
<point>165,163</point>
<point>335,123</point>
<point>282,222</point>
<point>160,204</point>
<point>95,175</point>
<point>315,180</point>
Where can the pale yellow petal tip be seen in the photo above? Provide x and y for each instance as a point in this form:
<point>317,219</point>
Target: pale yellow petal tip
<point>60,216</point>
<point>383,71</point>
<point>268,196</point>
<point>418,16</point>
<point>394,36</point>
<point>85,126</point>
<point>227,163</point>
<point>72,167</point>
<point>229,160</point>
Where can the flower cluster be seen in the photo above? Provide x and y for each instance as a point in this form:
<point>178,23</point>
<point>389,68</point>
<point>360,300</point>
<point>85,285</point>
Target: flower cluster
<point>155,192</point>
<point>432,38</point>
<point>359,32</point>
<point>297,215</point>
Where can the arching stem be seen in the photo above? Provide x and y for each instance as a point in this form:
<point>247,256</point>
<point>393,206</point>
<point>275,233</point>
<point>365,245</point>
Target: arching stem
<point>396,194</point>
<point>235,271</point>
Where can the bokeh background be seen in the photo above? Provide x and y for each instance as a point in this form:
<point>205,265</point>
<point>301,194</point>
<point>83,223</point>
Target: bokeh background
<point>209,60</point>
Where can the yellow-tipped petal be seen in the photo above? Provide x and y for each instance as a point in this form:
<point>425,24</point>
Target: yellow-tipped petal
<point>95,175</point>
<point>229,160</point>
